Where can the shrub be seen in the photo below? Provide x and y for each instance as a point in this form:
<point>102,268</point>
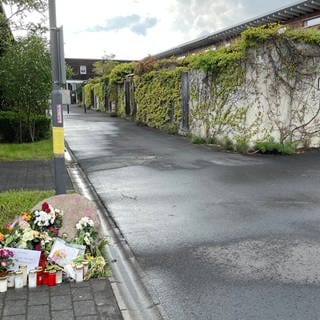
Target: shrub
<point>198,140</point>
<point>228,144</point>
<point>11,122</point>
<point>241,146</point>
<point>272,147</point>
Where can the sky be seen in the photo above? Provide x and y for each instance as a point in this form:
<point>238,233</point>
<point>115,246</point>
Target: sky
<point>133,29</point>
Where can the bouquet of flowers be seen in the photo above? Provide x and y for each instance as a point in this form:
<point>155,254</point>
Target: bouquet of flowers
<point>6,260</point>
<point>39,230</point>
<point>86,234</point>
<point>36,230</point>
<point>47,219</point>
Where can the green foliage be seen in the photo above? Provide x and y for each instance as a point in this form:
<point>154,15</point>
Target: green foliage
<point>241,146</point>
<point>16,20</point>
<point>198,140</point>
<point>272,147</point>
<point>69,72</point>
<point>216,61</point>
<point>104,67</point>
<point>118,73</point>
<point>310,35</point>
<point>119,98</point>
<point>228,144</point>
<point>212,140</point>
<point>25,80</point>
<point>158,99</point>
<point>88,88</point>
<point>254,36</point>
<point>100,92</point>
<point>16,128</point>
<point>12,203</point>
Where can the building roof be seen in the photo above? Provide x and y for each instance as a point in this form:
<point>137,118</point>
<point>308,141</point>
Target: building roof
<point>282,15</point>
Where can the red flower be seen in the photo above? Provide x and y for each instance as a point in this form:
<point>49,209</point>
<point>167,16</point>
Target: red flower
<point>45,207</point>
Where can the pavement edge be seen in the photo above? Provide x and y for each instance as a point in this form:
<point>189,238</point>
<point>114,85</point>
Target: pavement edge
<point>133,299</point>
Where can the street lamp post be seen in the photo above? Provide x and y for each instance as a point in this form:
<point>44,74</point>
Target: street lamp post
<point>58,78</point>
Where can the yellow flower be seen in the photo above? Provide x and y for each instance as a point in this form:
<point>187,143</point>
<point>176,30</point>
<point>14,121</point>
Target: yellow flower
<point>28,217</point>
<point>89,257</point>
<point>1,236</point>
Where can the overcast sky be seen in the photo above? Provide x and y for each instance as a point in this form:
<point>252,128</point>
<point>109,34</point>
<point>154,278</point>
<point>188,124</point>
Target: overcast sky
<point>132,29</point>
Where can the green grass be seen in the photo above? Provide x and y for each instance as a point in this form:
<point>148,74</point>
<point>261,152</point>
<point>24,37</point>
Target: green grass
<point>40,150</point>
<point>12,203</point>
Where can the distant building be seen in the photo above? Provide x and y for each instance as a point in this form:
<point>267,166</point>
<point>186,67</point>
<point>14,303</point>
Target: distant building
<point>302,14</point>
<point>82,71</point>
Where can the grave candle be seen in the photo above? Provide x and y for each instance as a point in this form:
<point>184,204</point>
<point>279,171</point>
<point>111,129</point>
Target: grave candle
<point>52,278</point>
<point>32,279</point>
<point>45,275</point>
<point>11,279</point>
<point>59,276</point>
<point>85,267</point>
<point>39,276</point>
<point>3,284</point>
<point>79,272</point>
<point>23,268</point>
<point>18,279</point>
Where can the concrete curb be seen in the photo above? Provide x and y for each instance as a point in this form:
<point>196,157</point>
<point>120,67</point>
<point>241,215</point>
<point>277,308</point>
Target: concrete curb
<point>132,296</point>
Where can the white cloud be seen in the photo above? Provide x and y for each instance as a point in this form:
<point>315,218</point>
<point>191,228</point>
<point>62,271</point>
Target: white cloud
<point>158,25</point>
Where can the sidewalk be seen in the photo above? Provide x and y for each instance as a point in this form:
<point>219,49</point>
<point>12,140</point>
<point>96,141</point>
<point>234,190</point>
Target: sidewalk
<point>90,300</point>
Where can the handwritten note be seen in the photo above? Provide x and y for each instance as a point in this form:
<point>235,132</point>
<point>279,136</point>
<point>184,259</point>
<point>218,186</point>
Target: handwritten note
<point>63,253</point>
<point>24,256</point>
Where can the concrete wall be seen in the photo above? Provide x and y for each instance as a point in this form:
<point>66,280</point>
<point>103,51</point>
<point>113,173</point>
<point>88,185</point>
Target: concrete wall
<point>279,94</point>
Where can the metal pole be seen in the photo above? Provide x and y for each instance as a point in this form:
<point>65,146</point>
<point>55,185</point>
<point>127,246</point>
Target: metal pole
<point>56,104</point>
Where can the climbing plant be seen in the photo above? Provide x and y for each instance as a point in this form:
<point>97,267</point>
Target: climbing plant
<point>269,74</point>
<point>158,99</point>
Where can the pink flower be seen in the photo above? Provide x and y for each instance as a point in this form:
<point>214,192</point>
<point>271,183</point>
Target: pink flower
<point>38,247</point>
<point>3,263</point>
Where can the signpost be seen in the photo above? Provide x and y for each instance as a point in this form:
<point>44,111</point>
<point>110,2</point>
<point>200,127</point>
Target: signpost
<point>59,79</point>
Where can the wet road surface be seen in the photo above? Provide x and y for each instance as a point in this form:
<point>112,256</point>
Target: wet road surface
<point>219,235</point>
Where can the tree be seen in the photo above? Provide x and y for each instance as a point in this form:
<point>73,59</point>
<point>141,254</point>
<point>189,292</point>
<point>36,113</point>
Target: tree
<point>105,66</point>
<point>17,11</point>
<point>25,78</point>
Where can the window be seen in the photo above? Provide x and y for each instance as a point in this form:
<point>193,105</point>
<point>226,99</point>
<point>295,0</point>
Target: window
<point>83,69</point>
<point>312,22</point>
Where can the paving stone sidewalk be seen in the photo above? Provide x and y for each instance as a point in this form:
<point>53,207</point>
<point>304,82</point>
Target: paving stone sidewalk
<point>90,300</point>
<point>29,175</point>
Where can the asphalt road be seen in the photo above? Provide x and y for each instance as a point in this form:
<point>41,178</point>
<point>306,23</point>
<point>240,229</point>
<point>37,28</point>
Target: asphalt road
<point>219,235</point>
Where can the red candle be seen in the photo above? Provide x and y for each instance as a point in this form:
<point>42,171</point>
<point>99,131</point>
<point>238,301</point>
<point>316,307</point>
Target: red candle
<point>39,276</point>
<point>45,276</point>
<point>52,278</point>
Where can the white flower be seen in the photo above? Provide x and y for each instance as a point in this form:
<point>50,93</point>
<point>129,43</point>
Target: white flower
<point>58,211</point>
<point>84,222</point>
<point>42,218</point>
<point>87,239</point>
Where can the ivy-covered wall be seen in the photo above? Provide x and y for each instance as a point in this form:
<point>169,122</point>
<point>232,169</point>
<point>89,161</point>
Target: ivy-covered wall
<point>265,87</point>
<point>158,99</point>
